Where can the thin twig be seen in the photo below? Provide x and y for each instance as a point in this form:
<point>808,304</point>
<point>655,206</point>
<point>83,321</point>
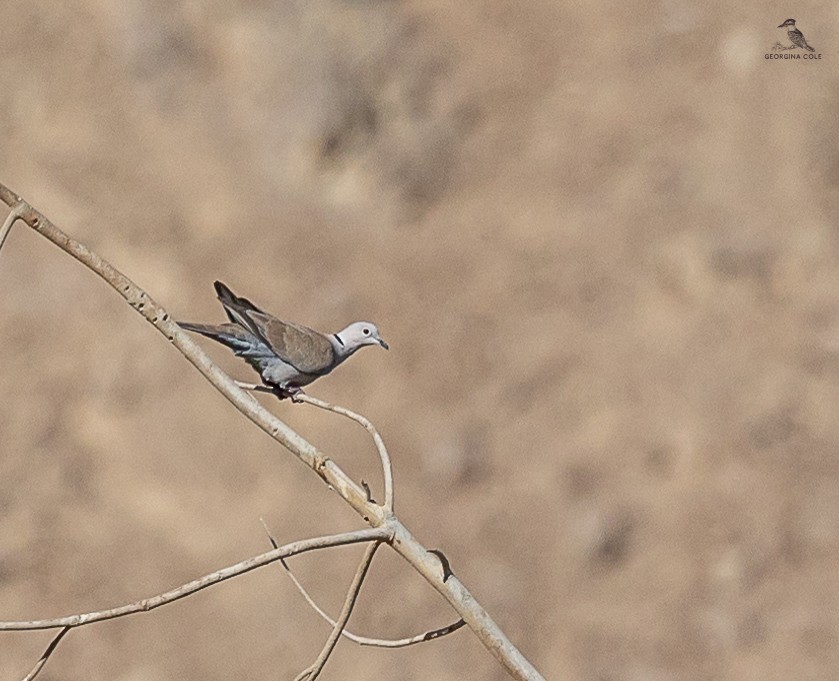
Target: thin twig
<point>387,469</point>
<point>356,638</point>
<point>365,640</point>
<point>39,665</point>
<point>314,671</point>
<point>376,534</point>
<point>14,215</point>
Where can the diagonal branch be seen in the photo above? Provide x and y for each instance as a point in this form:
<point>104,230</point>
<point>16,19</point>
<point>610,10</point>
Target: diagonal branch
<point>39,665</point>
<point>403,542</point>
<point>314,671</point>
<point>377,534</point>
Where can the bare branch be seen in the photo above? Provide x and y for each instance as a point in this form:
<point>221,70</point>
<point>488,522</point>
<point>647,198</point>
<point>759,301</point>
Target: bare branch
<point>456,593</point>
<point>363,640</point>
<point>377,534</point>
<point>39,665</point>
<point>314,671</point>
<point>387,469</point>
<point>13,216</point>
<point>427,564</point>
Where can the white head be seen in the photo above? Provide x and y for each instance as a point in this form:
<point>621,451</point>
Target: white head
<point>357,335</point>
<point>788,22</point>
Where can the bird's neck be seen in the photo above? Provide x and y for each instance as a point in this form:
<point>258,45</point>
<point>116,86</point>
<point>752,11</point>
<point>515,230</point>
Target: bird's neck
<point>340,346</point>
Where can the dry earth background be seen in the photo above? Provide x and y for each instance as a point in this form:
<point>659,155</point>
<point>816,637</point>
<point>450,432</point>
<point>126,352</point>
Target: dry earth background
<point>599,239</point>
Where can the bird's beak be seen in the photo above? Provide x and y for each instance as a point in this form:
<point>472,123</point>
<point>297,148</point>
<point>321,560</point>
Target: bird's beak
<point>383,344</point>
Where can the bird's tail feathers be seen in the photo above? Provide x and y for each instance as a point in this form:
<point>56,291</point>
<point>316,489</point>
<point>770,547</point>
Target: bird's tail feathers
<point>203,329</point>
<point>235,307</point>
<point>230,335</point>
<point>240,340</point>
<point>810,48</point>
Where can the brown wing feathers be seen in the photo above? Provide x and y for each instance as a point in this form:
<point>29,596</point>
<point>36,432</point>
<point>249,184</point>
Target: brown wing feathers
<point>306,350</point>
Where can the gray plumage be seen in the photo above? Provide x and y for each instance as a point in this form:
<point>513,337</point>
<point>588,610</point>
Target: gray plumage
<point>286,355</point>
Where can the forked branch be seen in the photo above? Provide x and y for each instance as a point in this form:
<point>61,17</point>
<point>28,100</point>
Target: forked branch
<point>400,539</point>
<point>376,534</point>
<point>355,638</point>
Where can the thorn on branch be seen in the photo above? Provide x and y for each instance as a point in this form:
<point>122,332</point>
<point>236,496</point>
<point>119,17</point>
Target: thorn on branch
<point>447,570</point>
<point>270,537</point>
<point>367,491</point>
<point>443,631</point>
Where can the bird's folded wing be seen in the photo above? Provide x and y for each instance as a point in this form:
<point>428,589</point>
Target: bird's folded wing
<point>305,349</point>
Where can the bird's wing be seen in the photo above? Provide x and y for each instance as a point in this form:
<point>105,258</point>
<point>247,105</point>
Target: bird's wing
<point>797,37</point>
<point>303,348</point>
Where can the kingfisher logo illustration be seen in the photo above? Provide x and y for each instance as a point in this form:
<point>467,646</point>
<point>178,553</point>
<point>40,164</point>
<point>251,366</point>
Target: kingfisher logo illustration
<point>797,47</point>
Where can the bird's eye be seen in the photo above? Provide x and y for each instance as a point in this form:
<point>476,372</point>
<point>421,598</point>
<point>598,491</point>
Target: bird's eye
<point>366,332</point>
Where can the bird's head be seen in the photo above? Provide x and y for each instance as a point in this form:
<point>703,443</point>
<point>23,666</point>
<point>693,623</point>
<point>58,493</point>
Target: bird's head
<point>359,334</point>
<point>788,22</point>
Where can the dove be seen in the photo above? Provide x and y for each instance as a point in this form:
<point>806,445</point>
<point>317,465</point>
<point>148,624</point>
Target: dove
<point>286,355</point>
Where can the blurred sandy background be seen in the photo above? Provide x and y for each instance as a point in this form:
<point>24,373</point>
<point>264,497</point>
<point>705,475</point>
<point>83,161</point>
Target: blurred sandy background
<point>601,240</point>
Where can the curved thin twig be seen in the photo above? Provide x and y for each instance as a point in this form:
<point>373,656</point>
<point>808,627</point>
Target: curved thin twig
<point>312,672</point>
<point>39,665</point>
<point>377,534</point>
<point>387,469</point>
<point>365,640</point>
<point>355,638</point>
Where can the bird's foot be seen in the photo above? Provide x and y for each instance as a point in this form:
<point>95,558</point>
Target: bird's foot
<point>292,392</point>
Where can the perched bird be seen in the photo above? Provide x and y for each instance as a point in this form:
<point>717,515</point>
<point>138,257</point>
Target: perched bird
<point>287,356</point>
<point>795,36</point>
